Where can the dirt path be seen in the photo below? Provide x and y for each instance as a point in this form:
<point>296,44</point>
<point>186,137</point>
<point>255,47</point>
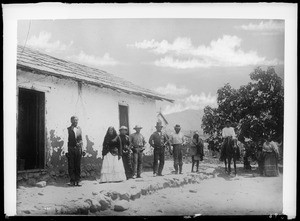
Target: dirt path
<point>217,194</point>
<point>242,195</point>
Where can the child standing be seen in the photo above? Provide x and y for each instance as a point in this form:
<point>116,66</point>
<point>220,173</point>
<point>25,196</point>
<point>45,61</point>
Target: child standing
<point>196,151</point>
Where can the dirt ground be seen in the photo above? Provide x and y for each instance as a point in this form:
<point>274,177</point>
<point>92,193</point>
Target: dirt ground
<point>245,194</point>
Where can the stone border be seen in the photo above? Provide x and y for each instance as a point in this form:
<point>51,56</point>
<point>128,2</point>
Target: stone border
<point>118,200</point>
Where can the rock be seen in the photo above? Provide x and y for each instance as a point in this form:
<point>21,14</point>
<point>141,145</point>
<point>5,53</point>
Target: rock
<point>36,175</point>
<point>193,191</point>
<point>124,196</point>
<point>26,211</point>
<point>104,202</point>
<point>144,191</point>
<point>45,177</point>
<point>135,194</point>
<point>159,210</point>
<point>83,174</point>
<point>121,205</point>
<point>96,206</point>
<point>114,195</point>
<point>40,194</point>
<point>25,176</point>
<point>209,170</point>
<point>31,181</point>
<point>94,193</point>
<point>41,184</point>
<point>82,206</point>
<point>166,184</point>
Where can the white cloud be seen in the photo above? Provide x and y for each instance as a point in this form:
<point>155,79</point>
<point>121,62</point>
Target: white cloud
<point>172,89</point>
<point>43,42</point>
<point>264,26</point>
<point>105,60</point>
<point>223,52</point>
<point>193,101</point>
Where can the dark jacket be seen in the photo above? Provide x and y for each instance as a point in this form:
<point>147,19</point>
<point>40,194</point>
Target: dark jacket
<point>124,142</point>
<point>157,140</point>
<point>72,141</point>
<point>112,146</point>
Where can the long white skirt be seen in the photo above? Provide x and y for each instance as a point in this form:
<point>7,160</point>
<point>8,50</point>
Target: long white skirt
<point>112,169</point>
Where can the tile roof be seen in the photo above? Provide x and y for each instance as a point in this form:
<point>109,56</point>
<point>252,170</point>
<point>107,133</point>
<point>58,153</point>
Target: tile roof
<point>33,60</point>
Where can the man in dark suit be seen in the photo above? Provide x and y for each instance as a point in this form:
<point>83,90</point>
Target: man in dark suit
<point>74,151</point>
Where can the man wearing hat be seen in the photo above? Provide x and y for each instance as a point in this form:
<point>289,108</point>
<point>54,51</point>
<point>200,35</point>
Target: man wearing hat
<point>227,131</point>
<point>137,143</point>
<point>124,142</point>
<point>177,141</point>
<point>158,140</point>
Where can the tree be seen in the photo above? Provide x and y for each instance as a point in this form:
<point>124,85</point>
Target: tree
<point>256,109</point>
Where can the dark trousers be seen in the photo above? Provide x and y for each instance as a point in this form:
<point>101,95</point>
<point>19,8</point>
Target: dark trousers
<point>177,156</point>
<point>159,155</point>
<point>137,161</point>
<point>74,161</point>
<point>127,164</point>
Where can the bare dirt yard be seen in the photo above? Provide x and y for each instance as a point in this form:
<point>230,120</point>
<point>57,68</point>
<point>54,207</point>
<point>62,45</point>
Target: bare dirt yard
<point>209,192</point>
<point>242,195</point>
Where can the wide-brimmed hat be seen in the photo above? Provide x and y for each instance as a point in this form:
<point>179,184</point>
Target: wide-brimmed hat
<point>227,121</point>
<point>137,127</point>
<point>123,128</point>
<point>177,126</point>
<point>158,124</point>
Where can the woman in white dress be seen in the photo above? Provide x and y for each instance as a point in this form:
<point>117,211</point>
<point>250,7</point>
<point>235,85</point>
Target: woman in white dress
<point>112,169</point>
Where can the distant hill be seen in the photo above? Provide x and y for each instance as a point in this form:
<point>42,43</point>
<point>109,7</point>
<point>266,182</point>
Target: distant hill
<point>189,120</point>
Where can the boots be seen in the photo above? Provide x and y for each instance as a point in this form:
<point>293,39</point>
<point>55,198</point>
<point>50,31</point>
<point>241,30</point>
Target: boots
<point>176,169</point>
<point>180,169</point>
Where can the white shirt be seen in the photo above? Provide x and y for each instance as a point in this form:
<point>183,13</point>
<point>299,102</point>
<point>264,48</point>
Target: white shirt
<point>75,131</point>
<point>177,138</point>
<point>228,131</point>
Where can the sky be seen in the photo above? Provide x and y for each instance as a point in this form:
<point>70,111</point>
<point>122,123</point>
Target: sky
<point>184,59</point>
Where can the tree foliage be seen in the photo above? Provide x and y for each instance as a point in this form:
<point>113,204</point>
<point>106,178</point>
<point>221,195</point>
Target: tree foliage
<point>255,110</point>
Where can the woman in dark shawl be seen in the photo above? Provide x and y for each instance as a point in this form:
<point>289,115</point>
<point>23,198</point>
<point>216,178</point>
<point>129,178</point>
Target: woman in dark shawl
<point>112,166</point>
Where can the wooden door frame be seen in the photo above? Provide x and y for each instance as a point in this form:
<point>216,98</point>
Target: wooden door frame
<point>124,105</point>
<point>42,90</point>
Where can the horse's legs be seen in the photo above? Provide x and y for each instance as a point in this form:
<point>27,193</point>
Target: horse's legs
<point>234,163</point>
<point>229,166</point>
<point>225,164</point>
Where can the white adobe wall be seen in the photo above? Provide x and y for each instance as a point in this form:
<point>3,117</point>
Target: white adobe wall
<point>96,108</point>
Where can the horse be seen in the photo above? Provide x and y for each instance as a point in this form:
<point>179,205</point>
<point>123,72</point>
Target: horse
<point>230,152</point>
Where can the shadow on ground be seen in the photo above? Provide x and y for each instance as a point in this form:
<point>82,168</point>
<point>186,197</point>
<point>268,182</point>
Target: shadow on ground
<point>241,172</point>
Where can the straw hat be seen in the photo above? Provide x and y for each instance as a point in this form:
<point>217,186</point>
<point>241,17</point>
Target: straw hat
<point>123,128</point>
<point>137,127</point>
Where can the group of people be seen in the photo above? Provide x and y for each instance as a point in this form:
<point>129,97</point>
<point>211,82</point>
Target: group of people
<point>267,154</point>
<point>122,154</point>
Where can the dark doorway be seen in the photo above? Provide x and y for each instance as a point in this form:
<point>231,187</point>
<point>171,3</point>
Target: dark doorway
<point>31,128</point>
<point>123,115</point>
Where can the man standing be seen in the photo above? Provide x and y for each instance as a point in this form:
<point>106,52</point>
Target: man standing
<point>126,151</point>
<point>158,141</point>
<point>227,132</point>
<point>74,151</point>
<point>137,142</point>
<point>177,141</point>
